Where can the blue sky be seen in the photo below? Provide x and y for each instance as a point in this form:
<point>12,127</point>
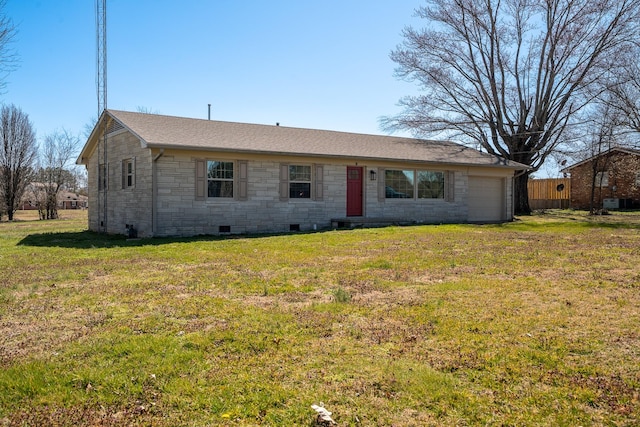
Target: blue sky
<point>314,64</point>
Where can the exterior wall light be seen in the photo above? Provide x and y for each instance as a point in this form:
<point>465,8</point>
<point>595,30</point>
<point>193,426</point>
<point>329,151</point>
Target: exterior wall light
<point>372,175</point>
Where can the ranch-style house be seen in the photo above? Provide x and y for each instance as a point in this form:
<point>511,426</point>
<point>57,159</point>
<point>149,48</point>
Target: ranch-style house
<point>156,175</point>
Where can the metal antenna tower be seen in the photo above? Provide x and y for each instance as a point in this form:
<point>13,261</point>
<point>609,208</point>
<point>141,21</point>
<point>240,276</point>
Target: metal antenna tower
<point>101,89</point>
<point>101,40</point>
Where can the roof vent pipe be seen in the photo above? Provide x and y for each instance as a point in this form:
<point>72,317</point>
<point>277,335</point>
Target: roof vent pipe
<point>209,112</point>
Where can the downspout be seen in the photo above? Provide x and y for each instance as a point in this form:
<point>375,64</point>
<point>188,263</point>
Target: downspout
<point>154,191</point>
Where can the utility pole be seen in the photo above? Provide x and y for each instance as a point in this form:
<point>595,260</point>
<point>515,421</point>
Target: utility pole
<point>101,89</point>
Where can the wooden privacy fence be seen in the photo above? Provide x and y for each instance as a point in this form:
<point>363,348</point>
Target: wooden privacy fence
<point>550,193</point>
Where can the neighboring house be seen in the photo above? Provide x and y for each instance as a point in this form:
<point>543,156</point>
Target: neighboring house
<point>66,199</point>
<point>617,183</point>
<point>69,200</point>
<point>168,176</point>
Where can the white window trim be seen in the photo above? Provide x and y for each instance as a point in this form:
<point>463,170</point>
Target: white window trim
<point>444,184</point>
<point>316,184</point>
<point>602,179</point>
<point>125,173</point>
<point>300,181</point>
<point>447,176</point>
<point>232,180</point>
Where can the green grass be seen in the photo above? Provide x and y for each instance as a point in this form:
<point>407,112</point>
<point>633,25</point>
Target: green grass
<point>533,322</point>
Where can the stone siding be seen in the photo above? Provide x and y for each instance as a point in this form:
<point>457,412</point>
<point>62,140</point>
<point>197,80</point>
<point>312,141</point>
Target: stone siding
<point>125,206</point>
<point>179,213</point>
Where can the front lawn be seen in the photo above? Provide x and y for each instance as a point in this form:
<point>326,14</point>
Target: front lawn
<point>535,322</point>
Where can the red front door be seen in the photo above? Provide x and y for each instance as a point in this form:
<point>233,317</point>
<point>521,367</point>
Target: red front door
<point>354,191</point>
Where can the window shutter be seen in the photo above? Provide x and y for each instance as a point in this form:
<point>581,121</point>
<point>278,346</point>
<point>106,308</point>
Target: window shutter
<point>450,185</point>
<point>201,179</point>
<point>382,195</point>
<point>284,182</point>
<point>134,172</point>
<point>242,179</point>
<point>319,184</point>
<point>123,169</point>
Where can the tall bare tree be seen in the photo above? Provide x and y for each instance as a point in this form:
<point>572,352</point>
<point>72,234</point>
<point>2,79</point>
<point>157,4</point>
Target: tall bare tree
<point>8,57</point>
<point>18,154</point>
<point>625,94</point>
<point>58,150</point>
<point>509,75</point>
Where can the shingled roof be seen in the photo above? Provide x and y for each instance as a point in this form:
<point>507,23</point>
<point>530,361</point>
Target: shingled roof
<point>604,153</point>
<point>169,132</point>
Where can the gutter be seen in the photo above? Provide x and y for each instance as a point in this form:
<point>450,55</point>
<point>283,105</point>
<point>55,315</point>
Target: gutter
<point>500,161</point>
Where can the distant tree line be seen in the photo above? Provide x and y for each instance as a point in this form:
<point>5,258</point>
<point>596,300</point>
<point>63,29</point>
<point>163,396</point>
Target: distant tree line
<point>45,170</point>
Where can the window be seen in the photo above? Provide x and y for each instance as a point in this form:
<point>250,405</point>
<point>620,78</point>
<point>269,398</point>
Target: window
<point>430,185</point>
<point>128,173</point>
<point>638,179</point>
<point>102,177</point>
<point>399,184</point>
<point>219,179</point>
<point>602,179</point>
<point>299,182</point>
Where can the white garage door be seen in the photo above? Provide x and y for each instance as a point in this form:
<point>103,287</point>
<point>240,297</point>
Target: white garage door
<point>486,199</point>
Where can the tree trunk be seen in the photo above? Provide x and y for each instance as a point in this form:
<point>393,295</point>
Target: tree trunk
<point>521,194</point>
<point>10,201</point>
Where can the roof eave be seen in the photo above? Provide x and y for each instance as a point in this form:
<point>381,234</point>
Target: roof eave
<point>93,138</point>
<point>515,166</point>
<point>91,141</point>
<point>622,149</point>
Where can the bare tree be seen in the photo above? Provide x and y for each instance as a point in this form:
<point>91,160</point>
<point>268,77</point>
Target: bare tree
<point>58,150</point>
<point>8,57</point>
<point>509,75</point>
<point>605,123</point>
<point>88,127</point>
<point>18,154</point>
<point>146,110</point>
<point>625,94</point>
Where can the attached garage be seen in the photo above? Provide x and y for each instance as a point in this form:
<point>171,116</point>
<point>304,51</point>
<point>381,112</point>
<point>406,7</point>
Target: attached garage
<point>486,199</point>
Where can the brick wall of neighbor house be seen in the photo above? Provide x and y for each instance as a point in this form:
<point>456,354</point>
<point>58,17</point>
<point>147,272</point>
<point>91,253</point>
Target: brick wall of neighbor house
<point>179,213</point>
<point>124,206</point>
<point>622,168</point>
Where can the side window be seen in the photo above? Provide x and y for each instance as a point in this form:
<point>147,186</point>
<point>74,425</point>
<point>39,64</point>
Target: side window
<point>602,179</point>
<point>299,182</point>
<point>128,173</point>
<point>219,179</point>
